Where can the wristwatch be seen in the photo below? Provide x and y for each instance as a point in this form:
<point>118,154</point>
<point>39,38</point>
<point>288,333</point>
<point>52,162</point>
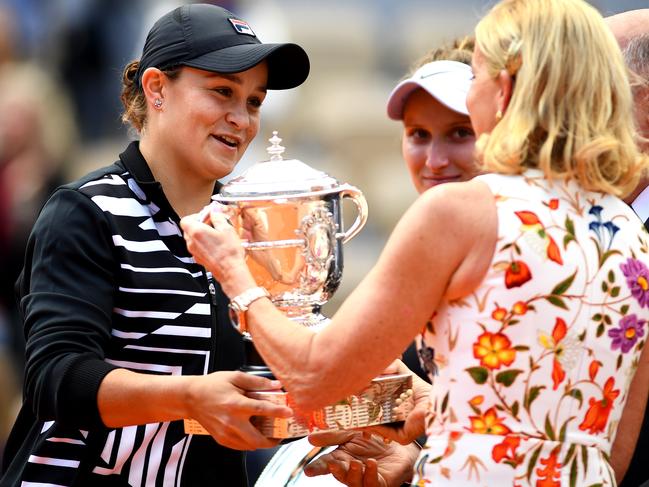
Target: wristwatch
<point>239,305</point>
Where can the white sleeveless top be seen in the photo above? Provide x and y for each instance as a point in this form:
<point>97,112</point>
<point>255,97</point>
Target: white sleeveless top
<point>531,371</point>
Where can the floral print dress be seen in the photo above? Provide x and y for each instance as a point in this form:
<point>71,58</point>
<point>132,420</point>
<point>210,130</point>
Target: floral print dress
<point>531,371</point>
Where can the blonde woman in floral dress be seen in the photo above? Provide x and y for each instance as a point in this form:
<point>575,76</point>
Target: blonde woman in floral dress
<point>537,274</point>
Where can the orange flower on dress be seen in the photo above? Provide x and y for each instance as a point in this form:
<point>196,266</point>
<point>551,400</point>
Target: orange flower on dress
<point>494,350</point>
<point>488,424</point>
<point>599,411</point>
<point>477,400</point>
<point>499,314</point>
<point>519,308</point>
<point>549,476</point>
<point>507,450</point>
<point>517,274</point>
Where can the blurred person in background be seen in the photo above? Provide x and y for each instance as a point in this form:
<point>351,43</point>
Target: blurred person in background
<point>631,29</point>
<point>126,335</point>
<point>437,146</point>
<point>37,133</point>
<point>535,384</point>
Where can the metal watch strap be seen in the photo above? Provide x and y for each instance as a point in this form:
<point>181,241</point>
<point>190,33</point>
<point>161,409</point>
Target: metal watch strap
<point>241,302</point>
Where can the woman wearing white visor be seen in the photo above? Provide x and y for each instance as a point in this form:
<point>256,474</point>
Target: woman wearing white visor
<point>438,139</point>
<point>437,146</point>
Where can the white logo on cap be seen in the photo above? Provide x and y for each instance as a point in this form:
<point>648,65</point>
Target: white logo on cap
<point>242,27</point>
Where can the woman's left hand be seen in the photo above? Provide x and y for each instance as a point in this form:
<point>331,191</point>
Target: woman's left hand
<point>218,248</point>
<point>414,425</point>
<point>363,460</point>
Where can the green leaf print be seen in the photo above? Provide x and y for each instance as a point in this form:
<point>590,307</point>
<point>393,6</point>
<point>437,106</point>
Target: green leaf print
<point>557,301</point>
<point>533,394</point>
<point>576,393</point>
<point>507,377</point>
<point>549,431</point>
<point>533,459</point>
<point>479,374</point>
<point>564,285</point>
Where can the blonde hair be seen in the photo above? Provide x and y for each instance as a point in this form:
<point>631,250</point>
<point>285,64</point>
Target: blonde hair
<point>460,50</point>
<point>570,113</point>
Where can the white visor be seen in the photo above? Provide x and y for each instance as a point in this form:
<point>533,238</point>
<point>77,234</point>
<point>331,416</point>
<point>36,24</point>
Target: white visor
<point>447,81</point>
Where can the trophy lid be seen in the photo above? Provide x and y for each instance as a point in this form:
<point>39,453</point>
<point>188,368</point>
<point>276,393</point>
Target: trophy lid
<point>277,177</point>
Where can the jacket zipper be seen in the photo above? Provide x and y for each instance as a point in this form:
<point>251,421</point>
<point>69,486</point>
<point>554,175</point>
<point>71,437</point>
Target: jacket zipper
<point>214,323</point>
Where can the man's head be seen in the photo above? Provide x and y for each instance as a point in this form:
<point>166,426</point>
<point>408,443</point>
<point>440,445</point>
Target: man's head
<point>629,25</point>
<point>631,30</point>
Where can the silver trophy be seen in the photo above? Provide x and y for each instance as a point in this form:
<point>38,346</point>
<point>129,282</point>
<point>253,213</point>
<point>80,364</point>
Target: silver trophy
<point>290,220</point>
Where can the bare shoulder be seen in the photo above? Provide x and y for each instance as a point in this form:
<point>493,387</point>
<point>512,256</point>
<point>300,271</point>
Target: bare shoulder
<point>469,219</point>
<point>470,201</point>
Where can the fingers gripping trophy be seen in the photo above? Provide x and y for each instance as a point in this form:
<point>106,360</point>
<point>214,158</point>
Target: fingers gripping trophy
<point>289,218</point>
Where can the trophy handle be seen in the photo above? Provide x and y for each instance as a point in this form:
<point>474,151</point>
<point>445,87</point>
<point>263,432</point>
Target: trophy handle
<point>348,191</point>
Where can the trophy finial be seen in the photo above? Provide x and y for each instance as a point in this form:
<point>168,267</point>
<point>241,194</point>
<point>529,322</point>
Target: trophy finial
<point>275,150</point>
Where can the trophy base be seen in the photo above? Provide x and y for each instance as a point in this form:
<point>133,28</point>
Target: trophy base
<point>387,399</point>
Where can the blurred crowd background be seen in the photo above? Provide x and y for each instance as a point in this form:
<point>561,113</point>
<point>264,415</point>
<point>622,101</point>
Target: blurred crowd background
<point>60,77</point>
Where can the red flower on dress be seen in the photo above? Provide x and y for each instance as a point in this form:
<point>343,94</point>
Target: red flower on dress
<point>558,333</point>
<point>517,274</point>
<point>566,350</point>
<point>506,451</point>
<point>593,368</point>
<point>528,218</point>
<point>553,204</point>
<point>553,251</point>
<point>599,411</point>
<point>549,476</point>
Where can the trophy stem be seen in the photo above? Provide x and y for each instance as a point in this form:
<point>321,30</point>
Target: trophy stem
<point>309,317</point>
<point>253,363</point>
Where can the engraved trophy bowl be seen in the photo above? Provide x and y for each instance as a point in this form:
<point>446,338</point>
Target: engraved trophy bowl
<point>290,220</point>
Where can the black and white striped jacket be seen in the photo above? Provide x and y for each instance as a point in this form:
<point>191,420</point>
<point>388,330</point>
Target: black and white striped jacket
<point>108,282</point>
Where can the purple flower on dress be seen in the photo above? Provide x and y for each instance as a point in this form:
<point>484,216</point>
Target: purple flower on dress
<point>626,336</point>
<point>637,278</point>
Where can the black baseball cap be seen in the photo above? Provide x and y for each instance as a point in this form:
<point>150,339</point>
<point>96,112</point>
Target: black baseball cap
<point>212,38</point>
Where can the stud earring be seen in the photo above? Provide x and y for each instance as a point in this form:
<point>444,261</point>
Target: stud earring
<point>157,103</point>
<point>499,115</point>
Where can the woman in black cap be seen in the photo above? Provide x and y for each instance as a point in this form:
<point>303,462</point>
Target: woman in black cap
<point>126,334</point>
<point>535,273</point>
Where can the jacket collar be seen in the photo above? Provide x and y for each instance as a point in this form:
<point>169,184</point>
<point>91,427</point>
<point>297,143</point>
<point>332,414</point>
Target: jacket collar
<point>136,165</point>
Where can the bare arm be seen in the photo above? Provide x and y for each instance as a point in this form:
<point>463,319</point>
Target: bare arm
<point>629,428</point>
<point>217,401</point>
<point>438,241</point>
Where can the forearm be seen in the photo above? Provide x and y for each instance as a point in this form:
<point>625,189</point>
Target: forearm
<point>128,398</point>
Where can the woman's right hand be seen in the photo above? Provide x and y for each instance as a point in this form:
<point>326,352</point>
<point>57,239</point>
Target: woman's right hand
<point>219,403</point>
